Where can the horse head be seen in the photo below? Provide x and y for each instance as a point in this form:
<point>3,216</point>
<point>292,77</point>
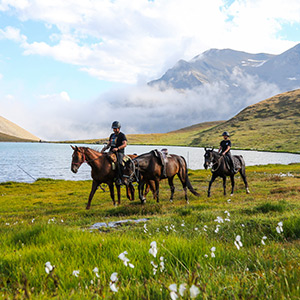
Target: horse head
<point>78,158</point>
<point>208,157</point>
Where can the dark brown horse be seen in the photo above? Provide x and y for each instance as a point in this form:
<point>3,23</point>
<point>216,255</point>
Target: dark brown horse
<point>102,171</point>
<point>150,170</point>
<point>220,168</point>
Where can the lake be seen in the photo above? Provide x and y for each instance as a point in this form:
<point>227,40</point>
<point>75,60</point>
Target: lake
<point>25,162</point>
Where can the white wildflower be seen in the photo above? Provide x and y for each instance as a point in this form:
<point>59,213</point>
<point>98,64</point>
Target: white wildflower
<point>217,229</point>
<point>76,273</point>
<point>123,257</point>
<point>162,264</point>
<point>114,277</point>
<point>205,227</point>
<point>96,270</point>
<point>238,242</point>
<point>48,267</point>
<point>219,220</point>
<point>153,248</point>
<point>279,228</point>
<point>173,291</point>
<point>213,249</point>
<point>205,255</point>
<point>194,291</point>
<point>113,287</point>
<point>263,240</point>
<point>182,289</point>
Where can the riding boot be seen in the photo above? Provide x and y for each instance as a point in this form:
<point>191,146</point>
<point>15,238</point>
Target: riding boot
<point>231,164</point>
<point>119,179</point>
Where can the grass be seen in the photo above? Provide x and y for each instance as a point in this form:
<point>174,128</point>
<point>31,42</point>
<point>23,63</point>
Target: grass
<point>47,221</point>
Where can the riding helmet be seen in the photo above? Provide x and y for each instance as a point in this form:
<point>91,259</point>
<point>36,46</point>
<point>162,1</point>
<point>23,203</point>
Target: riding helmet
<point>116,124</point>
<point>225,133</point>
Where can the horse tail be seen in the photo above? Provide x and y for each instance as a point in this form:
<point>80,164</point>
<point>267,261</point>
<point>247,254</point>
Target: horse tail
<point>183,165</point>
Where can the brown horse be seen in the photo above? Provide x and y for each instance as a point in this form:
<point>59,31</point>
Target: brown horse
<point>102,171</point>
<point>150,170</point>
<point>220,168</point>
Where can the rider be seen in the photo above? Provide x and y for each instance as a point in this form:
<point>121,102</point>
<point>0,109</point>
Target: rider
<point>224,150</point>
<point>117,143</point>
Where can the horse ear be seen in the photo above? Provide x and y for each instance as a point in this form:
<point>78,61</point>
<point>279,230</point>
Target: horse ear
<point>212,149</point>
<point>205,149</point>
<point>72,147</point>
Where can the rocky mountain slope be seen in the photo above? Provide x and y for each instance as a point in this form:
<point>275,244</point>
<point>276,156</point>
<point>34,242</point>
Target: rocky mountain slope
<point>10,132</point>
<point>227,66</point>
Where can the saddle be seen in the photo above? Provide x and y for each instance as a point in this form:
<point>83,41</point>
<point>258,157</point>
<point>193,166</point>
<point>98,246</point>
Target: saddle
<point>160,156</point>
<point>113,159</point>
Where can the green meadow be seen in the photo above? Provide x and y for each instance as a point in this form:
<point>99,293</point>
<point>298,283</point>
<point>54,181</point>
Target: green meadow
<point>244,246</point>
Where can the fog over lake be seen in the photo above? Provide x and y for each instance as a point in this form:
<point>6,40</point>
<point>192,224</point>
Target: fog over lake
<point>25,162</point>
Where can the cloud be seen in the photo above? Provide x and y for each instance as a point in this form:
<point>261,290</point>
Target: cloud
<point>140,109</point>
<point>125,40</point>
<point>12,34</point>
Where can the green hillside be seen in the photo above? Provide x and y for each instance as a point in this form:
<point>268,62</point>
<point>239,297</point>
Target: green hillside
<point>272,124</point>
<point>181,137</point>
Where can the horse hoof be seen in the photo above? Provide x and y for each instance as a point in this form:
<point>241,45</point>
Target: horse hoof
<point>88,207</point>
<point>187,202</point>
<point>171,200</point>
<point>231,194</point>
<point>248,191</point>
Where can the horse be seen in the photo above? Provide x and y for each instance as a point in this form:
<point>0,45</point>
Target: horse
<point>102,171</point>
<point>152,167</point>
<point>220,168</point>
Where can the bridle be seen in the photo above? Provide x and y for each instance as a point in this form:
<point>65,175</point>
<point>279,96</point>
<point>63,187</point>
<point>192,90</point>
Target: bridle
<point>218,162</point>
<point>84,159</point>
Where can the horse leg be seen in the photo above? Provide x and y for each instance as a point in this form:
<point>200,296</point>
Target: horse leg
<point>183,179</point>
<point>157,190</point>
<point>130,191</point>
<point>112,193</point>
<point>92,193</point>
<point>232,184</point>
<point>172,187</point>
<point>141,189</point>
<point>213,177</point>
<point>118,193</point>
<point>243,174</point>
<point>224,185</point>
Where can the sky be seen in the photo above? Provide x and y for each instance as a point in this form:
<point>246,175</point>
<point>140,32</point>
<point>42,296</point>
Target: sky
<point>69,68</point>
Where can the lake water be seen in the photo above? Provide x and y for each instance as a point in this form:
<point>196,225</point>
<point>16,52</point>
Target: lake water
<point>25,162</point>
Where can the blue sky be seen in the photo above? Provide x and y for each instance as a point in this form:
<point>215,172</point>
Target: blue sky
<point>60,60</point>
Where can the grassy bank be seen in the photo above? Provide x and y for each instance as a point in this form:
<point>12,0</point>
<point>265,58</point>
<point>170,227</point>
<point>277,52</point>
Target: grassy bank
<point>197,244</point>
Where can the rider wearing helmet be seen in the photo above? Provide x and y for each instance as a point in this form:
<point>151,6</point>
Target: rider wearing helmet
<point>117,143</point>
<point>224,149</point>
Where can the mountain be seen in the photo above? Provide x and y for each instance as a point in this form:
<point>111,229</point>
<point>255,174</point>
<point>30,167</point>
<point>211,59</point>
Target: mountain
<point>229,66</point>
<point>272,124</point>
<point>10,132</point>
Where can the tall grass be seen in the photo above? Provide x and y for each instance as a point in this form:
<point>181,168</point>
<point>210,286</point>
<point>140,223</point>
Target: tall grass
<point>46,222</point>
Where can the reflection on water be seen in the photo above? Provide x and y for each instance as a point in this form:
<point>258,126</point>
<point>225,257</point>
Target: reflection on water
<point>24,162</point>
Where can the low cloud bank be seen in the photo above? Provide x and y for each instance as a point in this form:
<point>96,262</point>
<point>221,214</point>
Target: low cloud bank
<point>140,109</point>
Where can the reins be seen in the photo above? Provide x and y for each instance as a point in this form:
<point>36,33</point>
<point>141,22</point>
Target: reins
<point>217,162</point>
<point>85,160</point>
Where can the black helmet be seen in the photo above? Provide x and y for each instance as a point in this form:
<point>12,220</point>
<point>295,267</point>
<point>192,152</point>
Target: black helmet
<point>225,133</point>
<point>116,124</point>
